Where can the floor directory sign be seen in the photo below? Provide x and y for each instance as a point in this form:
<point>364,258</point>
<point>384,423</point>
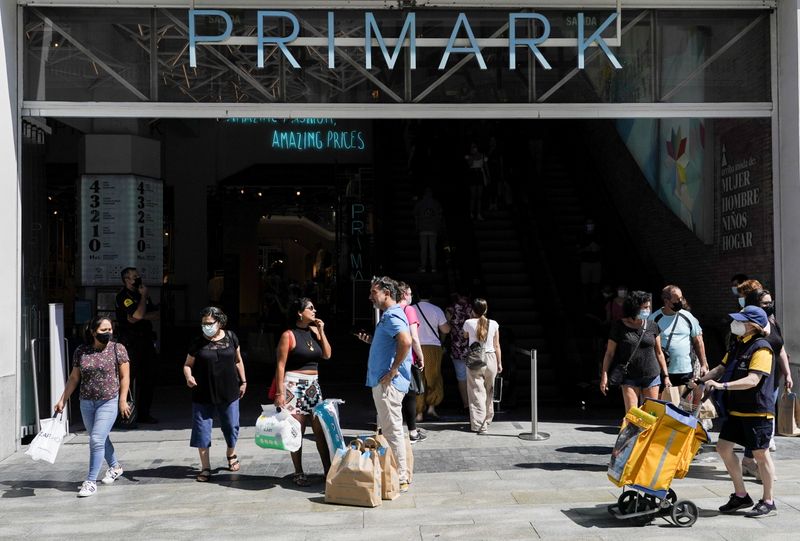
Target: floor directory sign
<point>121,225</point>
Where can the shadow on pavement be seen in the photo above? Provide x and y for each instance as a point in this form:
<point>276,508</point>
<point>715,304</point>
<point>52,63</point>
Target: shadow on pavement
<point>559,466</point>
<point>587,450</point>
<point>23,489</point>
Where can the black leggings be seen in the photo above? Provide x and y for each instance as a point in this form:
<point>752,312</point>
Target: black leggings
<point>410,410</point>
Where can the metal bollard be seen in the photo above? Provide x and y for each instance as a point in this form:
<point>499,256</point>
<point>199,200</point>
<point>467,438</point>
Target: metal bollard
<point>534,434</point>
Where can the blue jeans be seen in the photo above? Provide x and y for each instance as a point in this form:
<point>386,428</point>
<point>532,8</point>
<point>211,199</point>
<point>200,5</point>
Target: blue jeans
<point>98,418</point>
<point>203,418</point>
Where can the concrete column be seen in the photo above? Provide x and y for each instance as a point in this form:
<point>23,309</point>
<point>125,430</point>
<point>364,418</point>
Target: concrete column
<point>787,178</point>
<point>10,270</point>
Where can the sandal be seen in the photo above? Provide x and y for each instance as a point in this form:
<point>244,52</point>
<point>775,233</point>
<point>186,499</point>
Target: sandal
<point>204,476</point>
<point>233,463</point>
<point>300,479</point>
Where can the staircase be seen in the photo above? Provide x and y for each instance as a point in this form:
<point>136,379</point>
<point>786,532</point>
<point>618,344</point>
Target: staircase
<point>508,282</point>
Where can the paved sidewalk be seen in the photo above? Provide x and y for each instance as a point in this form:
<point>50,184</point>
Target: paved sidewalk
<point>465,487</point>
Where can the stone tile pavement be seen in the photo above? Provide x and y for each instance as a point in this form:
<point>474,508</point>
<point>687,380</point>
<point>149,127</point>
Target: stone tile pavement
<point>466,487</point>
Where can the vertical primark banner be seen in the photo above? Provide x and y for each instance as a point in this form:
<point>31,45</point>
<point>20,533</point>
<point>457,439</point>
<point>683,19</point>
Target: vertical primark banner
<point>121,225</point>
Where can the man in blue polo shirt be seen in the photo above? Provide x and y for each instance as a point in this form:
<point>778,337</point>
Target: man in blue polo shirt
<point>389,368</point>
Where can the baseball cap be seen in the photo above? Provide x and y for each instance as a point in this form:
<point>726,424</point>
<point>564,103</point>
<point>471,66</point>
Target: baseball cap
<point>753,314</point>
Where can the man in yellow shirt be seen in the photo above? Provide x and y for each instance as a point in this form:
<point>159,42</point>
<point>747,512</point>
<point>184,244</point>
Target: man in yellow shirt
<point>746,379</point>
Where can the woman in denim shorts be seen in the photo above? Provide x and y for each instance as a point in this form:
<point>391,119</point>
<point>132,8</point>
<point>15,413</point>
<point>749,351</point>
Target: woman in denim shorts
<point>635,340</point>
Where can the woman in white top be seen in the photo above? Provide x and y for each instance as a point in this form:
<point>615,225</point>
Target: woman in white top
<point>480,382</point>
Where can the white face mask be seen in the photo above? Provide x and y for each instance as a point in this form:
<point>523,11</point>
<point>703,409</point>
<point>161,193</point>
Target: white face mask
<point>741,302</point>
<point>622,293</point>
<point>738,328</point>
<point>210,329</point>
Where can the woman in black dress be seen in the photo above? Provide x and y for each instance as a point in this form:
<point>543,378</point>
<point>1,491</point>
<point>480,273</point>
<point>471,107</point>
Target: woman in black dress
<point>636,341</point>
<point>215,372</point>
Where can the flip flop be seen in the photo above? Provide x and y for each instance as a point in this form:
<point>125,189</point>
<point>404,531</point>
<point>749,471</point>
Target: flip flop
<point>300,479</point>
<point>233,463</point>
<point>204,476</point>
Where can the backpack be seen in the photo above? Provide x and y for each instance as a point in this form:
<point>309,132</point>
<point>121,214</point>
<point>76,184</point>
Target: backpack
<point>476,356</point>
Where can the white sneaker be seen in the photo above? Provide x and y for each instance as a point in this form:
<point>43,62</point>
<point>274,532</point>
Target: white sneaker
<point>88,488</point>
<point>772,446</point>
<point>111,475</point>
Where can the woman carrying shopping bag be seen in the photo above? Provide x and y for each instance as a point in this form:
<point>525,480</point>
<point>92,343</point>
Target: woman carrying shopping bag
<point>101,367</point>
<point>214,370</point>
<point>300,350</point>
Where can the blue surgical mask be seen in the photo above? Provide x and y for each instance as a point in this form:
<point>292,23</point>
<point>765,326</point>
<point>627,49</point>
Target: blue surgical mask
<point>210,329</point>
<point>741,302</point>
<point>643,314</point>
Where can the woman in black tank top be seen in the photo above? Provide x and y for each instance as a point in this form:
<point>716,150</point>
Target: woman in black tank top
<point>296,386</point>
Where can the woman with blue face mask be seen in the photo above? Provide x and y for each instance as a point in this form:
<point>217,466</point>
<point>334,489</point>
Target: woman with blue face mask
<point>635,340</point>
<point>215,372</point>
<point>100,366</point>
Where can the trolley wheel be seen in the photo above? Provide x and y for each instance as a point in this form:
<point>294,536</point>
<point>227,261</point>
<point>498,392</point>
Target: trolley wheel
<point>669,499</point>
<point>627,502</point>
<point>684,513</point>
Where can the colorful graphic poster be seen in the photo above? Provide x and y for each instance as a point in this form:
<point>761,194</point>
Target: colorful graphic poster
<point>671,155</point>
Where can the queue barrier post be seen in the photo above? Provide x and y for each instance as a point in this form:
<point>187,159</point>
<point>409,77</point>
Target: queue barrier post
<point>534,434</point>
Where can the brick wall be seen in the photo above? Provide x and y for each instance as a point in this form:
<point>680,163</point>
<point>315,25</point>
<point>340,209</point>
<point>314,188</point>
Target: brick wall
<point>703,271</point>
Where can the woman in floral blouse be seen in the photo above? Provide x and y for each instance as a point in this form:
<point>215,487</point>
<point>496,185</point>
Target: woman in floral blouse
<point>457,314</point>
<point>101,368</point>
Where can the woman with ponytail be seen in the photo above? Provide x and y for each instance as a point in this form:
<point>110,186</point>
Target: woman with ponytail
<point>480,381</point>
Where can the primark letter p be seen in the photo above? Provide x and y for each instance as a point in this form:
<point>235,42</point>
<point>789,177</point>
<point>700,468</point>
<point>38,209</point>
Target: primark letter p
<point>194,39</point>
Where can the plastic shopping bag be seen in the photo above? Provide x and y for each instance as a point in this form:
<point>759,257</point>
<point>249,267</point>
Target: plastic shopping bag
<point>327,412</point>
<point>278,430</point>
<point>47,442</point>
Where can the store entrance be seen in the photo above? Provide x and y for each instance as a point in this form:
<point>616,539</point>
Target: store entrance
<point>256,212</point>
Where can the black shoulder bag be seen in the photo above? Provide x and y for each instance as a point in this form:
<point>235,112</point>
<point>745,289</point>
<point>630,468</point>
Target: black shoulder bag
<point>131,418</point>
<point>620,370</point>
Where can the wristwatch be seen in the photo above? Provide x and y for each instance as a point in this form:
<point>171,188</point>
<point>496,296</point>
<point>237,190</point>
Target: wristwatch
<point>725,386</point>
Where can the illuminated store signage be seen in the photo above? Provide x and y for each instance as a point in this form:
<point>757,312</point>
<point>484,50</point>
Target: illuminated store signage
<point>312,134</point>
<point>462,38</point>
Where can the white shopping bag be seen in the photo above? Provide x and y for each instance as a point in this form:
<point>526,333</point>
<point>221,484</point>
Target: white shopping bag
<point>47,442</point>
<point>278,430</point>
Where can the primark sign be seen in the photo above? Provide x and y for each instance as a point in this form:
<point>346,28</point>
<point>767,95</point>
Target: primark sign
<point>462,38</point>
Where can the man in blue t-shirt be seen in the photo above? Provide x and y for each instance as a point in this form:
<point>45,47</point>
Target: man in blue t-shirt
<point>680,334</point>
<point>389,368</point>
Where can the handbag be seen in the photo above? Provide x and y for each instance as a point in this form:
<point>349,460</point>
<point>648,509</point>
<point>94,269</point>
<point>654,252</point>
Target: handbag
<point>417,380</point>
<point>132,415</point>
<point>619,370</point>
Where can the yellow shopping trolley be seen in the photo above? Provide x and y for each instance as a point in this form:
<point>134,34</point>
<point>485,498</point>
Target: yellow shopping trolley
<point>657,444</point>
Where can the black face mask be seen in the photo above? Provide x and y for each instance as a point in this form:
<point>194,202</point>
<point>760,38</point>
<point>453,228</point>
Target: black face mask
<point>770,308</point>
<point>137,283</point>
<point>103,337</point>
<point>676,306</point>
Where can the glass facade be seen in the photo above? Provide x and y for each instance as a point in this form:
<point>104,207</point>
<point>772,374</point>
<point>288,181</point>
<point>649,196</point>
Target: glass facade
<point>139,55</point>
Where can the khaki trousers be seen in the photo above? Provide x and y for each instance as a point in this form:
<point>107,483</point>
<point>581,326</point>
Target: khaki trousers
<point>434,386</point>
<point>480,392</point>
<point>388,402</point>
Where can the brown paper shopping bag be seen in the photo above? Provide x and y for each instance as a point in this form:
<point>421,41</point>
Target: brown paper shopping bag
<point>390,481</point>
<point>409,455</point>
<point>354,477</point>
<point>671,394</point>
<point>788,422</point>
